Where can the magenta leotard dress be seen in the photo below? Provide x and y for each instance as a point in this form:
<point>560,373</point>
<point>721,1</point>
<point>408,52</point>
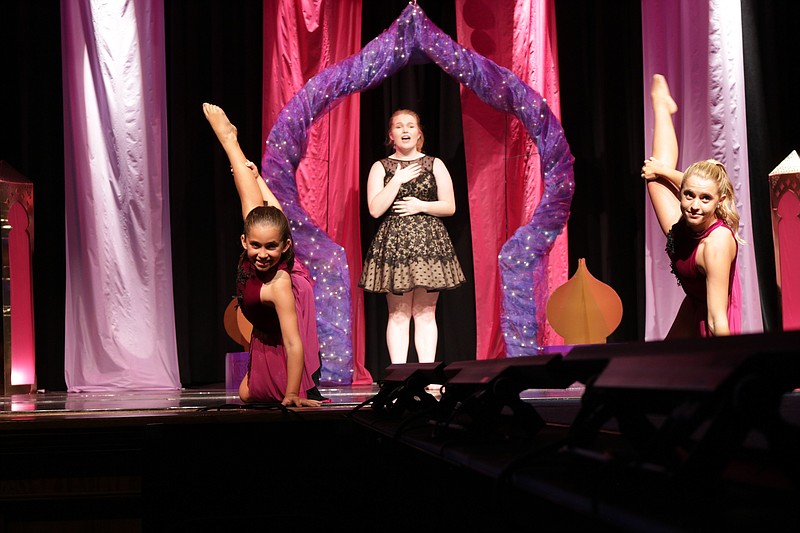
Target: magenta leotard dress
<point>267,367</point>
<point>682,246</point>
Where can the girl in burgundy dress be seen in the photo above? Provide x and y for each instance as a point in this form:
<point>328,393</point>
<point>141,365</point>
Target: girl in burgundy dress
<point>697,212</point>
<point>274,293</point>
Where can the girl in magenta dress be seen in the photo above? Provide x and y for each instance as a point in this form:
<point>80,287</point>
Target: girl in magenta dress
<point>267,371</point>
<point>275,295</point>
<point>697,212</point>
<point>682,245</point>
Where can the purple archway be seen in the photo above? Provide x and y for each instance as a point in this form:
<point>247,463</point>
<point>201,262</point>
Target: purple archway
<point>522,260</point>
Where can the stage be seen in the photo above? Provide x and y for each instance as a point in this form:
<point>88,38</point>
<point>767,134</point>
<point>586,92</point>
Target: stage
<point>100,405</point>
<point>170,460</point>
<point>196,459</point>
<point>51,405</point>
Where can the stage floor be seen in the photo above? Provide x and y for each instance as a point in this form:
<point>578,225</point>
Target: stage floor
<point>112,404</point>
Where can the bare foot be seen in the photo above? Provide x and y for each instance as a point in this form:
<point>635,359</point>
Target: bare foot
<point>226,132</point>
<point>660,95</point>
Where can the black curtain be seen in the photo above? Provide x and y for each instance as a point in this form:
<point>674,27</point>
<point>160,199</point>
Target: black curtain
<point>600,69</point>
<point>214,54</point>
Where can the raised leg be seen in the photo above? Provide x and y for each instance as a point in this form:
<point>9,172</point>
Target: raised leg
<point>665,141</point>
<point>249,192</point>
<point>660,169</point>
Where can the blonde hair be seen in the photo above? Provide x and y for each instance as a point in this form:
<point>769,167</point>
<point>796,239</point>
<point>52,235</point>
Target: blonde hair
<point>421,139</point>
<point>713,170</point>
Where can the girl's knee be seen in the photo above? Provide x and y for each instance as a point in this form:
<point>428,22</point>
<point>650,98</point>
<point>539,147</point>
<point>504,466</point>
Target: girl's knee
<point>425,317</point>
<point>399,316</point>
<point>244,391</point>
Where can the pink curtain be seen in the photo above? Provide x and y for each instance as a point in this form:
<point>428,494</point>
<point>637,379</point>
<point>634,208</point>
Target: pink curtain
<point>301,38</point>
<point>698,47</point>
<point>502,162</point>
<point>119,323</point>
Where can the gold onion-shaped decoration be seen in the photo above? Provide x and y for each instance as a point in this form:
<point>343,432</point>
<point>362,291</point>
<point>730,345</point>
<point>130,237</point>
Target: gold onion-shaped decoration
<point>584,310</point>
<point>236,325</point>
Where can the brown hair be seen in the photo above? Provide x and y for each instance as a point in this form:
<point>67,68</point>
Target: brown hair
<point>421,139</point>
<point>272,216</point>
<point>712,169</point>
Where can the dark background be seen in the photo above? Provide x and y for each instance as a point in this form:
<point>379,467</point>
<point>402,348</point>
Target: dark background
<point>214,54</point>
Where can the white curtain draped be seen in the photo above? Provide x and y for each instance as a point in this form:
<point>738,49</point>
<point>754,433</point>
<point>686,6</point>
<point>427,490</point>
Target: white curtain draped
<point>119,326</point>
<point>698,47</point>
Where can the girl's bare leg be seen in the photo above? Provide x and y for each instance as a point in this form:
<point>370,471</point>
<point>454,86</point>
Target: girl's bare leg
<point>227,134</point>
<point>249,191</point>
<point>244,389</point>
<point>664,192</point>
<point>397,329</point>
<point>426,332</point>
<point>665,141</point>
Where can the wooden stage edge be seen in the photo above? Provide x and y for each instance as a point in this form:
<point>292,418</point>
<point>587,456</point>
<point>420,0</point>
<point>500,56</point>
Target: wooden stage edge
<point>196,460</point>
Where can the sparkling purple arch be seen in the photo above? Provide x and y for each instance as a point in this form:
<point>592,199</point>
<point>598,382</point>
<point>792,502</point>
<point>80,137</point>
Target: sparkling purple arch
<point>523,258</point>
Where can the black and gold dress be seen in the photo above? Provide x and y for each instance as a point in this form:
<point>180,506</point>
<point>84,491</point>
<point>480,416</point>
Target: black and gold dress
<point>411,251</point>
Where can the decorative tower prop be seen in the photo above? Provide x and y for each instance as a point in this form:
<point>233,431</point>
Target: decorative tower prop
<point>784,185</point>
<point>16,230</point>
